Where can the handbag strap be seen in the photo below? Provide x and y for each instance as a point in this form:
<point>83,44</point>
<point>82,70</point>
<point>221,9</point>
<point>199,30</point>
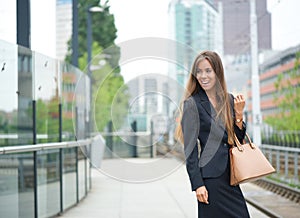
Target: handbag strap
<point>238,144</point>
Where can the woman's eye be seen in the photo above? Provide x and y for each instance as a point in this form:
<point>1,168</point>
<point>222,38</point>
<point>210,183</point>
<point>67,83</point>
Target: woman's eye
<point>208,70</point>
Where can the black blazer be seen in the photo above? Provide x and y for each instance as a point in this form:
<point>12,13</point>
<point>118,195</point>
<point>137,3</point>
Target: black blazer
<point>199,123</point>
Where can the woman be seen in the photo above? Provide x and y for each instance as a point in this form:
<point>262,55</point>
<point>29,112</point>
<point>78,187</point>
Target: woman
<point>211,117</point>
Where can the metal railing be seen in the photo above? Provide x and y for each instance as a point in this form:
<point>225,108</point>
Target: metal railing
<point>38,168</point>
<point>43,146</point>
<point>287,138</point>
<point>129,144</point>
<point>286,162</point>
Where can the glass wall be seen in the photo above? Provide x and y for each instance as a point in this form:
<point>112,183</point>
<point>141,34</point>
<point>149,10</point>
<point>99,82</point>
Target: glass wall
<point>16,171</point>
<point>42,100</point>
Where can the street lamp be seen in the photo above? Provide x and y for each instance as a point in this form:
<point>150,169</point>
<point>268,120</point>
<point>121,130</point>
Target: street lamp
<point>89,11</point>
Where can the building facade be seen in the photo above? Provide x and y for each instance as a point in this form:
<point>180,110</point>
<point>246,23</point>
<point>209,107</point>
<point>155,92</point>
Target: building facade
<point>237,41</point>
<point>63,27</point>
<point>281,63</point>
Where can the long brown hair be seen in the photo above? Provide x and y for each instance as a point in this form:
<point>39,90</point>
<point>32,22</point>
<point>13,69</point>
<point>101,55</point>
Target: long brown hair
<point>192,87</point>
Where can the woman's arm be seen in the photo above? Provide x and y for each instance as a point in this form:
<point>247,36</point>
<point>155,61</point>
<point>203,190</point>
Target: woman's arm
<point>190,124</point>
<point>239,124</point>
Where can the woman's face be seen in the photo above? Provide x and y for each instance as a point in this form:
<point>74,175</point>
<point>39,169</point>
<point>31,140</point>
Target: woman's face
<point>206,75</point>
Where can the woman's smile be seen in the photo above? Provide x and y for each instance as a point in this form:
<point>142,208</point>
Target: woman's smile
<point>206,75</point>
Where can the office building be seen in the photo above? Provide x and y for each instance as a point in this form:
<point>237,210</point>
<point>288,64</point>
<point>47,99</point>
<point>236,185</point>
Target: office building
<point>63,27</point>
<point>236,26</point>
<point>237,41</point>
<point>281,63</point>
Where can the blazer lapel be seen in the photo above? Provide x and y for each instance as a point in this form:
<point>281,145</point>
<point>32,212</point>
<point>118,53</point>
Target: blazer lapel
<point>204,101</point>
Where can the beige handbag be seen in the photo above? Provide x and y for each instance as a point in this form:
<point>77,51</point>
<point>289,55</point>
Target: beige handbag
<point>247,162</point>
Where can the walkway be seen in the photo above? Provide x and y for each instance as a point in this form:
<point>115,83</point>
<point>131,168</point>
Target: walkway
<point>169,196</point>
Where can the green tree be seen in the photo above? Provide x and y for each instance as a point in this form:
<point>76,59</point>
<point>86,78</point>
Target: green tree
<point>104,31</point>
<point>287,98</point>
<point>106,80</point>
<point>42,114</point>
<point>110,94</point>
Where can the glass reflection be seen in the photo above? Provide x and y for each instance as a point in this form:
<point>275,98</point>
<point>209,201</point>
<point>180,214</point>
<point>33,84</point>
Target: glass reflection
<point>24,92</point>
<point>48,183</point>
<point>69,177</point>
<point>15,95</point>
<point>69,80</point>
<point>47,98</point>
<point>82,108</point>
<point>81,174</point>
<point>16,186</point>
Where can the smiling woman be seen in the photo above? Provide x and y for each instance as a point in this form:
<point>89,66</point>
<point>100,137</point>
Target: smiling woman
<point>212,117</point>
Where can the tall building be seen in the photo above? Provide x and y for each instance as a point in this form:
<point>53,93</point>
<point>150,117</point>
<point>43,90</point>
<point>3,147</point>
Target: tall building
<point>237,41</point>
<point>196,26</point>
<point>150,104</point>
<point>236,26</point>
<point>63,27</point>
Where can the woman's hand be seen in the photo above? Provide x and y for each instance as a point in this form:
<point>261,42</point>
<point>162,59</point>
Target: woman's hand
<point>239,104</point>
<point>202,194</point>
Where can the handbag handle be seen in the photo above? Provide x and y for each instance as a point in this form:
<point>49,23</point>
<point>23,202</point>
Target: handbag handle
<point>238,144</point>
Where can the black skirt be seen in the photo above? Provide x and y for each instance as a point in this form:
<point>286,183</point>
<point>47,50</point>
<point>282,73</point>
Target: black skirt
<point>224,200</point>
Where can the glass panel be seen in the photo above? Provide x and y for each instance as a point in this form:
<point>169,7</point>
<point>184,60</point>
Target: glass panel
<point>87,107</point>
<point>81,108</point>
<point>69,177</point>
<point>8,96</point>
<point>47,98</point>
<point>81,173</point>
<point>48,183</point>
<point>16,185</point>
<point>15,96</point>
<point>25,127</point>
<point>16,178</point>
<point>26,185</point>
<point>69,80</point>
<point>88,169</point>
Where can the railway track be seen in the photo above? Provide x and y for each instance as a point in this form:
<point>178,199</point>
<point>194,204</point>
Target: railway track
<point>284,201</point>
<point>283,190</point>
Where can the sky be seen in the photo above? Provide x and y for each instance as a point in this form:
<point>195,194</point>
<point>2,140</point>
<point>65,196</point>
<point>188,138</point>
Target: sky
<point>139,18</point>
